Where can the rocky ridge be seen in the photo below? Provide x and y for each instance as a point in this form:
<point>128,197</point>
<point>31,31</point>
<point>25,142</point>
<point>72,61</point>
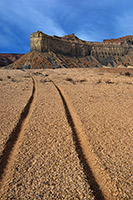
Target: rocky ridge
<point>8,58</point>
<point>71,52</point>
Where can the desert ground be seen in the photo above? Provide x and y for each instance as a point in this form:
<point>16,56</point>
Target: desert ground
<point>66,134</point>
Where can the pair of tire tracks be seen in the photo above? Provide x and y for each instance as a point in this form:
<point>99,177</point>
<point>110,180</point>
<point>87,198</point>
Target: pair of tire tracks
<point>12,145</point>
<point>99,180</point>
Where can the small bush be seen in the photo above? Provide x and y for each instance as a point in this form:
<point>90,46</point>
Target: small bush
<point>70,80</point>
<point>100,74</point>
<point>27,76</point>
<point>37,73</point>
<point>129,83</point>
<point>44,81</point>
<point>99,81</point>
<point>109,82</point>
<point>83,80</point>
<point>14,80</point>
<point>127,74</point>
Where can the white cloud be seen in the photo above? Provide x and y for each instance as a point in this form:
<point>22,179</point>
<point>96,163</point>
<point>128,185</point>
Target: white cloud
<point>89,36</point>
<point>26,16</point>
<point>45,23</point>
<point>90,32</point>
<point>90,20</point>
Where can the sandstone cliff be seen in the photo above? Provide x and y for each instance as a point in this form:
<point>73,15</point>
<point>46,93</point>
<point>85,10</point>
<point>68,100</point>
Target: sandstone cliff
<point>70,51</point>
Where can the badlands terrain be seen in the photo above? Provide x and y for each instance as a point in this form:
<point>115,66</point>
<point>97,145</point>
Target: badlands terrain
<point>8,58</point>
<point>51,52</point>
<point>66,134</point>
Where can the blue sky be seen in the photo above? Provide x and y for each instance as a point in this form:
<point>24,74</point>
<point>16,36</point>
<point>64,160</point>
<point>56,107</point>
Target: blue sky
<point>91,20</point>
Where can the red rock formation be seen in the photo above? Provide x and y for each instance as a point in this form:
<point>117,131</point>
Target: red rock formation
<point>120,40</point>
<point>8,58</point>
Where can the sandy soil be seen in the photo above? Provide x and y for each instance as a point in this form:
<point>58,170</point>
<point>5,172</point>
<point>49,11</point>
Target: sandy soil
<point>15,90</point>
<point>51,159</point>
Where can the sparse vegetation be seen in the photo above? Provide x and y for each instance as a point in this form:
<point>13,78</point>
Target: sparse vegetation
<point>127,74</point>
<point>8,77</point>
<point>100,74</point>
<point>129,83</point>
<point>37,73</point>
<point>65,123</point>
<point>27,76</point>
<point>77,81</point>
<point>14,80</point>
<point>44,80</point>
<point>99,81</point>
<point>83,80</point>
<point>70,80</point>
<point>109,82</point>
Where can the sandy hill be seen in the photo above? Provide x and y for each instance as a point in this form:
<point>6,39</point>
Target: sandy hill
<point>43,60</point>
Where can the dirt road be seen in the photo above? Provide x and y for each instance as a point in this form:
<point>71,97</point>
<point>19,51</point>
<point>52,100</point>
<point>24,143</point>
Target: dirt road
<point>71,139</point>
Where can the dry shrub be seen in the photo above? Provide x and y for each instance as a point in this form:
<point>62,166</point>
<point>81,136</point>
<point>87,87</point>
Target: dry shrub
<point>129,83</point>
<point>14,80</point>
<point>37,73</point>
<point>44,80</point>
<point>109,82</point>
<point>127,74</point>
<point>77,81</point>
<point>83,80</point>
<point>70,80</point>
<point>27,76</point>
<point>100,74</point>
<point>99,81</point>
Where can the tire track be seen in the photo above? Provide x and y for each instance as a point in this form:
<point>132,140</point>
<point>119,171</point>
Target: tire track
<point>12,145</point>
<point>98,179</point>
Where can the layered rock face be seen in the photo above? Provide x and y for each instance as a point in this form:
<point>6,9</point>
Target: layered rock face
<point>68,45</point>
<point>73,46</point>
<point>71,52</point>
